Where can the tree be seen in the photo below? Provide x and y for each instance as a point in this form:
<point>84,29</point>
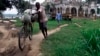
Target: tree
<point>5,4</point>
<point>33,0</point>
<point>91,1</point>
<point>21,5</point>
<point>47,7</point>
<point>98,1</point>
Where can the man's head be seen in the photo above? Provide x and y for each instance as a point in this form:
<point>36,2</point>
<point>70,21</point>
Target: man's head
<point>37,5</point>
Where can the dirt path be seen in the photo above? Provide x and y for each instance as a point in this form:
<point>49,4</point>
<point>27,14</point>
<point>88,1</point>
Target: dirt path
<point>37,39</point>
<point>77,25</point>
<point>32,48</point>
<point>3,31</point>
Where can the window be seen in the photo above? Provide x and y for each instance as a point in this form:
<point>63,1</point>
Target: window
<point>98,10</point>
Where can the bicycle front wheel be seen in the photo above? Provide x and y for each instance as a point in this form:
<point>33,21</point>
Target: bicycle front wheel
<point>21,39</point>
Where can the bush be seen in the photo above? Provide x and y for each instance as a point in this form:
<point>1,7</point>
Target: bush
<point>18,23</point>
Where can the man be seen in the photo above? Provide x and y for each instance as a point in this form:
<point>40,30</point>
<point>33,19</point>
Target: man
<point>42,19</point>
<point>94,17</point>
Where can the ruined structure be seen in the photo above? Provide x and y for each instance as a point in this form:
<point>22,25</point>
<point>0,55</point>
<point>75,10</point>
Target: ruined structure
<point>77,8</point>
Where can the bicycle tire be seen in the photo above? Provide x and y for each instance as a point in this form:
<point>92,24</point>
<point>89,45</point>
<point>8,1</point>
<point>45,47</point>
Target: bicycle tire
<point>21,38</point>
<point>30,36</point>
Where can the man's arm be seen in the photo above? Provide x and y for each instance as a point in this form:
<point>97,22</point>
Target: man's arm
<point>40,10</point>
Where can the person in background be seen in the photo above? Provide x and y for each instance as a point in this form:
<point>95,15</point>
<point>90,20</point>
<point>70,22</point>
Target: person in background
<point>58,17</point>
<point>70,17</point>
<point>94,17</point>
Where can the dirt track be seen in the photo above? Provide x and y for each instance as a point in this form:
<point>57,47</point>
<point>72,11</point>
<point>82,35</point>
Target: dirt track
<point>9,45</point>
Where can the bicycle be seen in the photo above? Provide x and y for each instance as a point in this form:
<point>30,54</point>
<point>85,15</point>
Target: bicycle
<point>25,31</point>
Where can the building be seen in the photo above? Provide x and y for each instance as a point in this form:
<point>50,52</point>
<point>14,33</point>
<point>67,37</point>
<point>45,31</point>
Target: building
<point>98,8</point>
<point>78,8</point>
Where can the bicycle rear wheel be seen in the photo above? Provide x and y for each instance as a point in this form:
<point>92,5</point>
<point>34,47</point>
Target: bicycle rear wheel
<point>21,39</point>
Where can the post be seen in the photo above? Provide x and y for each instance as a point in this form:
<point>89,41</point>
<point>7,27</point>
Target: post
<point>77,12</point>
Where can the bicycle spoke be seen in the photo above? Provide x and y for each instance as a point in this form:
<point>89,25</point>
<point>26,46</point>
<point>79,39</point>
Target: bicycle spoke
<point>25,32</point>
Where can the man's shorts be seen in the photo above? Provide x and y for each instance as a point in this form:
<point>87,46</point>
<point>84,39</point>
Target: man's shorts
<point>42,25</point>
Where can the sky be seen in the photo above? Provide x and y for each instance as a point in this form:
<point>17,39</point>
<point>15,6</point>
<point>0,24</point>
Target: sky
<point>83,0</point>
<point>14,10</point>
<point>11,11</point>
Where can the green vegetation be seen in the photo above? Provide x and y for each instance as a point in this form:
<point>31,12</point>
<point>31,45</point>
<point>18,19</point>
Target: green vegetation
<point>70,41</point>
<point>51,25</point>
<point>92,37</point>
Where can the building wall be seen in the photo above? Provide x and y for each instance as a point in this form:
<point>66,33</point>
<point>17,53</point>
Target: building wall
<point>66,4</point>
<point>98,10</point>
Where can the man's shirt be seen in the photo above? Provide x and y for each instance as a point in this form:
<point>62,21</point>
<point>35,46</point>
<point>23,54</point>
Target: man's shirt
<point>42,17</point>
<point>58,16</point>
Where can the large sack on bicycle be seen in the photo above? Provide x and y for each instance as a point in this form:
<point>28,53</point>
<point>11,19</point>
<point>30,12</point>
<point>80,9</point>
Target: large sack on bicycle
<point>26,16</point>
<point>34,16</point>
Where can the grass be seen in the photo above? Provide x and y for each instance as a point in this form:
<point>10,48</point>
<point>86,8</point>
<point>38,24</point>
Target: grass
<point>51,24</point>
<point>87,23</point>
<point>69,41</point>
<point>92,37</point>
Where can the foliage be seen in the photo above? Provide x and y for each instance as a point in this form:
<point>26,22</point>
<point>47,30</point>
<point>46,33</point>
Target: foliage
<point>50,24</point>
<point>66,42</point>
<point>47,7</point>
<point>1,15</point>
<point>92,37</point>
<point>98,1</point>
<point>69,41</point>
<point>21,5</point>
<point>5,4</point>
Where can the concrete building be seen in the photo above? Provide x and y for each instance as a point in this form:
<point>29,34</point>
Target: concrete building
<point>77,7</point>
